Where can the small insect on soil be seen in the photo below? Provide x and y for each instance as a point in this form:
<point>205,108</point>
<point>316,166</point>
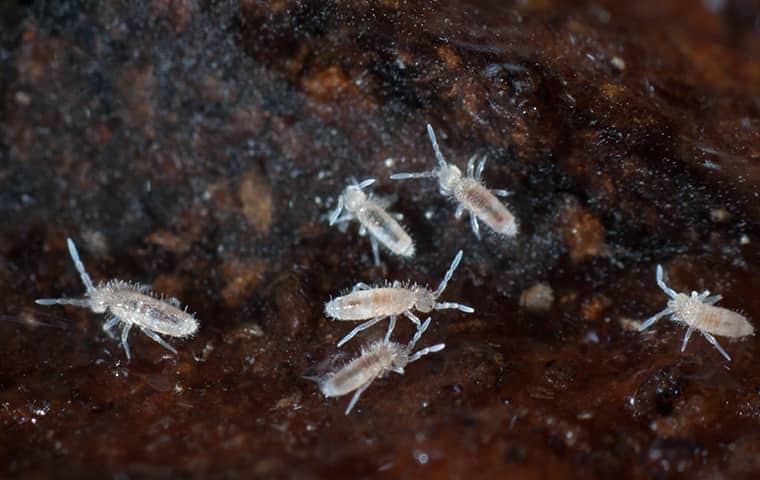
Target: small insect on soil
<point>376,360</point>
<point>129,304</point>
<point>377,303</point>
<point>370,212</point>
<point>469,191</point>
<point>698,312</point>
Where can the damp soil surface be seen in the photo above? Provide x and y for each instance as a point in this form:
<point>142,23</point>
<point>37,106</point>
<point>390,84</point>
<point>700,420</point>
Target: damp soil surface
<point>197,146</point>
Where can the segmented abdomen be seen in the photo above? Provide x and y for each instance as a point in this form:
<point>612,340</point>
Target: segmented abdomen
<point>486,207</point>
<point>366,304</point>
<point>386,229</point>
<point>151,313</point>
<point>721,321</point>
<point>359,371</point>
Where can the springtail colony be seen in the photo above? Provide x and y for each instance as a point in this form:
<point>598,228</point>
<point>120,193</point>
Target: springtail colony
<point>374,304</point>
<point>469,191</point>
<point>381,226</point>
<point>375,361</point>
<point>131,304</point>
<point>698,312</point>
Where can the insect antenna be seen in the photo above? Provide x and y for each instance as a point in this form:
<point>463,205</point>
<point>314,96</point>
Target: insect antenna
<point>442,287</point>
<point>429,173</point>
<point>80,266</point>
<point>448,275</point>
<point>661,283</point>
<point>418,334</point>
<point>436,148</point>
<point>79,302</point>
<point>421,353</point>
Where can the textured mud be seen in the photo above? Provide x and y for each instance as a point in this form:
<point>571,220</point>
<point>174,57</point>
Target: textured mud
<point>197,146</point>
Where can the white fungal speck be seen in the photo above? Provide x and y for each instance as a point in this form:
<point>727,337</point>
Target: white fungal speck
<point>538,298</point>
<point>618,63</point>
<point>376,360</point>
<point>421,457</point>
<point>23,98</point>
<point>382,227</point>
<point>469,192</point>
<point>698,312</point>
<point>377,303</point>
<point>129,304</point>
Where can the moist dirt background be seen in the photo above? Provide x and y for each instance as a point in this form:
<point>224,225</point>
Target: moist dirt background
<point>197,145</point>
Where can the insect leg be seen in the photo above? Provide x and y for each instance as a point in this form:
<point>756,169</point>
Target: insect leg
<point>412,175</point>
<point>110,323</point>
<point>345,218</point>
<point>358,329</point>
<point>481,167</point>
<point>375,250</point>
<point>459,211</point>
<point>154,336</point>
<point>649,321</point>
<point>415,320</point>
<point>474,225</point>
<point>715,344</point>
<point>80,266</point>
<point>471,166</point>
<point>336,213</point>
<point>366,183</point>
<point>713,299</point>
<point>358,394</point>
<point>79,302</point>
<point>686,337</point>
<point>661,283</point>
<point>124,336</point>
<point>501,192</point>
<point>391,326</point>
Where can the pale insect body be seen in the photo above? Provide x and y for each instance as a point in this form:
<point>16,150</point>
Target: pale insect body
<point>375,360</point>
<point>377,303</point>
<point>382,227</point>
<point>129,304</point>
<point>699,313</point>
<point>469,192</point>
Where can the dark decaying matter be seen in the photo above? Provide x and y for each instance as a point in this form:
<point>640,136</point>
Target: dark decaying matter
<point>200,146</point>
